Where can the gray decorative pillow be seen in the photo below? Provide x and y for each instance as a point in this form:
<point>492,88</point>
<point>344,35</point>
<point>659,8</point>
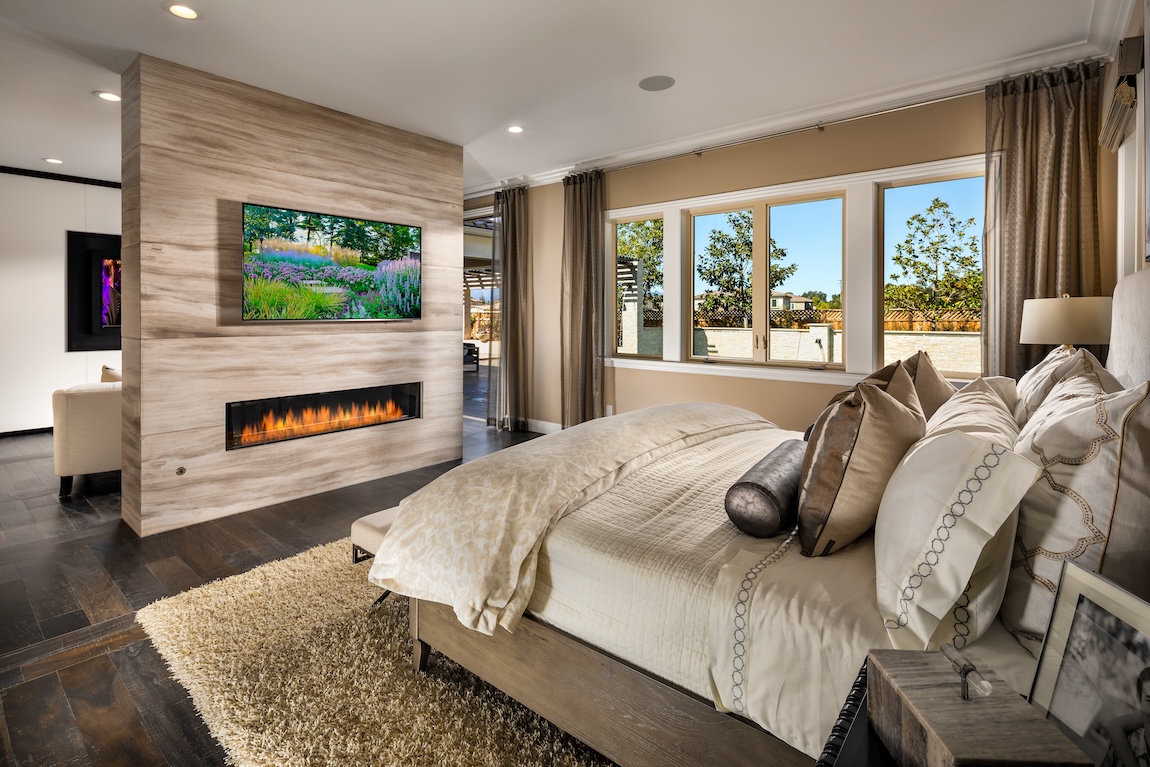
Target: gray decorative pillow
<point>765,500</point>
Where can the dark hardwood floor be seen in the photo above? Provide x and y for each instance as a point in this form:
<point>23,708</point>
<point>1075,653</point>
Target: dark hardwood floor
<point>80,683</point>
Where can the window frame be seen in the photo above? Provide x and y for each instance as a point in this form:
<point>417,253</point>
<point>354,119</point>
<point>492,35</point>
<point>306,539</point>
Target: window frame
<point>612,246</point>
<point>957,375</point>
<point>760,264</point>
<point>862,269</point>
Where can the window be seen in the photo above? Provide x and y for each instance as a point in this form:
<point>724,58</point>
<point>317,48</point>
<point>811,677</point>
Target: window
<point>639,287</point>
<point>933,271</point>
<point>806,282</point>
<point>721,305</point>
<point>799,276</point>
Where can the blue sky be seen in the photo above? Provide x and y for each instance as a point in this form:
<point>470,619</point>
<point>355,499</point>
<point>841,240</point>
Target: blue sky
<point>811,232</point>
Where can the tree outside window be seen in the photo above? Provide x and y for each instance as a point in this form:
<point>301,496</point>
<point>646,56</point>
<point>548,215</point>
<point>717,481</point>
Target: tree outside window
<point>933,290</point>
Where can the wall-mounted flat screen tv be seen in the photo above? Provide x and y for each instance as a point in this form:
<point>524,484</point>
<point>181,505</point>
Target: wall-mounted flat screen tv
<point>308,266</point>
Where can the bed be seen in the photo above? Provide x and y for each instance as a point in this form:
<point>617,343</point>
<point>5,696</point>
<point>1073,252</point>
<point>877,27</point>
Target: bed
<point>612,594</point>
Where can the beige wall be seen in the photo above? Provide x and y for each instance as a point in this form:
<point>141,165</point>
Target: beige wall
<point>186,353</point>
<point>949,129</point>
<point>545,212</point>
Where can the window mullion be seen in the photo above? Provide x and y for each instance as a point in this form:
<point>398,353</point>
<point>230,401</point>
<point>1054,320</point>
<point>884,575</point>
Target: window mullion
<point>760,285</point>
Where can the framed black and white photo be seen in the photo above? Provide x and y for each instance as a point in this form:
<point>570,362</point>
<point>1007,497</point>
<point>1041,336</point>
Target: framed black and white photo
<point>1093,676</point>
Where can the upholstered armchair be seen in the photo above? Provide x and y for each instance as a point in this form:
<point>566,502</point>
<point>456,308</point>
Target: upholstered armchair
<point>87,429</point>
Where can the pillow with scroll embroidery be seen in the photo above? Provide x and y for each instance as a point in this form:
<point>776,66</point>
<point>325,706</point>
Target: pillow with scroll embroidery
<point>1089,505</point>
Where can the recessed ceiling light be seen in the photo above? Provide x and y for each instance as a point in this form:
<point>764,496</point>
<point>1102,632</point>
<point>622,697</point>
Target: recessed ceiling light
<point>514,128</point>
<point>183,11</point>
<point>53,160</point>
<point>107,95</point>
<point>656,83</point>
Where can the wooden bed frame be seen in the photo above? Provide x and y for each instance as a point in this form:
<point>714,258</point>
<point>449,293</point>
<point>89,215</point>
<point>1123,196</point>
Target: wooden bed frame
<point>623,713</point>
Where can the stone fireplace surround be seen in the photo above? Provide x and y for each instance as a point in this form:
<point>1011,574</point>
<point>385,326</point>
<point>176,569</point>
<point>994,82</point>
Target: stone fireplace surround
<point>195,148</point>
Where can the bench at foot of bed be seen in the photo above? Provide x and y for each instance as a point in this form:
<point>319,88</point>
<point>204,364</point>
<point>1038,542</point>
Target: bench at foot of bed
<point>367,533</point>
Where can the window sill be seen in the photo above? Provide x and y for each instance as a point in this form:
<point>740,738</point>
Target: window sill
<point>757,372</point>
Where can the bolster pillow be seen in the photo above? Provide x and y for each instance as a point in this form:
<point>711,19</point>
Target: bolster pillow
<point>765,500</point>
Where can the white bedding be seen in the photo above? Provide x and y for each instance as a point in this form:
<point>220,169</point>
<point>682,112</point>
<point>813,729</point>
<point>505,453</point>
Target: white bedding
<point>631,572</point>
<point>471,538</point>
<point>650,574</point>
<point>636,556</point>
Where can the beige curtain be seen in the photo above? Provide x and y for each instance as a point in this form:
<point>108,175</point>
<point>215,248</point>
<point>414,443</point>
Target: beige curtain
<point>582,320</point>
<point>1042,200</point>
<point>509,367</point>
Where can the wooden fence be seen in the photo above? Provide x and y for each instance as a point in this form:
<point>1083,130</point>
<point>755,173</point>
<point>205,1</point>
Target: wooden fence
<point>801,318</point>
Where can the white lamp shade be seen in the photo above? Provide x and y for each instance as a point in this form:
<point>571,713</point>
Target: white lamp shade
<point>1071,321</point>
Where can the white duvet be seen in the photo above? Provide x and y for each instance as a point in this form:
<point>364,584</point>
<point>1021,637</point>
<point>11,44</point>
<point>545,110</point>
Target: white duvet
<point>644,564</point>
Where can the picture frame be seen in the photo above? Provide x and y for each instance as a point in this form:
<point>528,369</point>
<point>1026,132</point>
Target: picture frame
<point>93,286</point>
<point>1093,677</point>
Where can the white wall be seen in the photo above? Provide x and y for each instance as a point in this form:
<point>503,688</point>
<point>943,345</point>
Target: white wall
<point>35,216</point>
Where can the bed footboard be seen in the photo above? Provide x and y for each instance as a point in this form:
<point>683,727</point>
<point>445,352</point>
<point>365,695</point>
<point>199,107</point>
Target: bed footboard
<point>620,711</point>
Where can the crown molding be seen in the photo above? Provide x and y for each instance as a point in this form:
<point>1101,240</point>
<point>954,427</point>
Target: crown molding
<point>1107,27</point>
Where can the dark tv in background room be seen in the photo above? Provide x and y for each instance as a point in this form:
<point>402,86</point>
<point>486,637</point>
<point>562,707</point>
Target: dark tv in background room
<point>306,266</point>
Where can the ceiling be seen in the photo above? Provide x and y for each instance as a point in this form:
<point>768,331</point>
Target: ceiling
<point>568,72</point>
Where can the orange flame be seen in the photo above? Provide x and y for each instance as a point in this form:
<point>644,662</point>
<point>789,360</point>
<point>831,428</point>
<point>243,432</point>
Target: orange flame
<point>319,420</point>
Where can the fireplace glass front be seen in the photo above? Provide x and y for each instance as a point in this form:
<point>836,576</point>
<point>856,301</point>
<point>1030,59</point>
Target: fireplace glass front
<point>258,422</point>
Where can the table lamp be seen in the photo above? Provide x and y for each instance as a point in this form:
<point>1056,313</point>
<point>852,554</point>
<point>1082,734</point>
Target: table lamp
<point>1066,321</point>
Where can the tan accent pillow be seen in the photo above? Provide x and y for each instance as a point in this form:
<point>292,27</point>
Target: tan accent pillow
<point>932,387</point>
<point>854,448</point>
<point>1090,503</point>
<point>108,374</point>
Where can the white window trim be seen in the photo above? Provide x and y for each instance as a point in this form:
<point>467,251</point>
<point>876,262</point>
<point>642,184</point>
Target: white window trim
<point>862,268</point>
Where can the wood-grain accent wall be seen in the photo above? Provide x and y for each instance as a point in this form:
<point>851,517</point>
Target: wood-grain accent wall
<point>195,147</point>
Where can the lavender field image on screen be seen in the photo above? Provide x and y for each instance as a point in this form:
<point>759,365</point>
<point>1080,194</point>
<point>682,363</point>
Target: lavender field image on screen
<point>110,292</point>
<point>312,266</point>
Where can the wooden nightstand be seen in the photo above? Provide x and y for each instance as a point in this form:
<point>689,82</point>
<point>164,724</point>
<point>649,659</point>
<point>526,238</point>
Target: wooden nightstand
<point>917,710</point>
<point>1002,730</point>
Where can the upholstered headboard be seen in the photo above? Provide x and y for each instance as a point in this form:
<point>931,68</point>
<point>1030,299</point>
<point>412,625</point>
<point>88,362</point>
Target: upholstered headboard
<point>1129,358</point>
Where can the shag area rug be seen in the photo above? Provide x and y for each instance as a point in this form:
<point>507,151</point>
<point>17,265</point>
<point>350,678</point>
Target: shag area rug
<point>288,666</point>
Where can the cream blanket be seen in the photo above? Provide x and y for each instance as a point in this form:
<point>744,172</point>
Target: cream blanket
<point>471,538</point>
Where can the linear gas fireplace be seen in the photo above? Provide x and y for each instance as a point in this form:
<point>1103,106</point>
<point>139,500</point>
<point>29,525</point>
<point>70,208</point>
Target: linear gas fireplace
<point>257,422</point>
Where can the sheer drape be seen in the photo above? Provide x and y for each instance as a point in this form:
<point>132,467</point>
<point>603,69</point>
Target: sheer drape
<point>1042,193</point>
<point>508,368</point>
<point>582,320</point>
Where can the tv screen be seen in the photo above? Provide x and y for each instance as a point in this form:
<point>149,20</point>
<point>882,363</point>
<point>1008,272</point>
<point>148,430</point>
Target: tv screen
<point>109,292</point>
<point>300,265</point>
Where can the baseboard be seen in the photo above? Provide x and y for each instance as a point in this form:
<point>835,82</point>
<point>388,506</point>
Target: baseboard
<point>25,432</point>
<point>543,427</point>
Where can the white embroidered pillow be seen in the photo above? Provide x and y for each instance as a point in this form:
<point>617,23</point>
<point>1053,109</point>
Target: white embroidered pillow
<point>979,409</point>
<point>1063,362</point>
<point>942,539</point>
<point>1090,504</point>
